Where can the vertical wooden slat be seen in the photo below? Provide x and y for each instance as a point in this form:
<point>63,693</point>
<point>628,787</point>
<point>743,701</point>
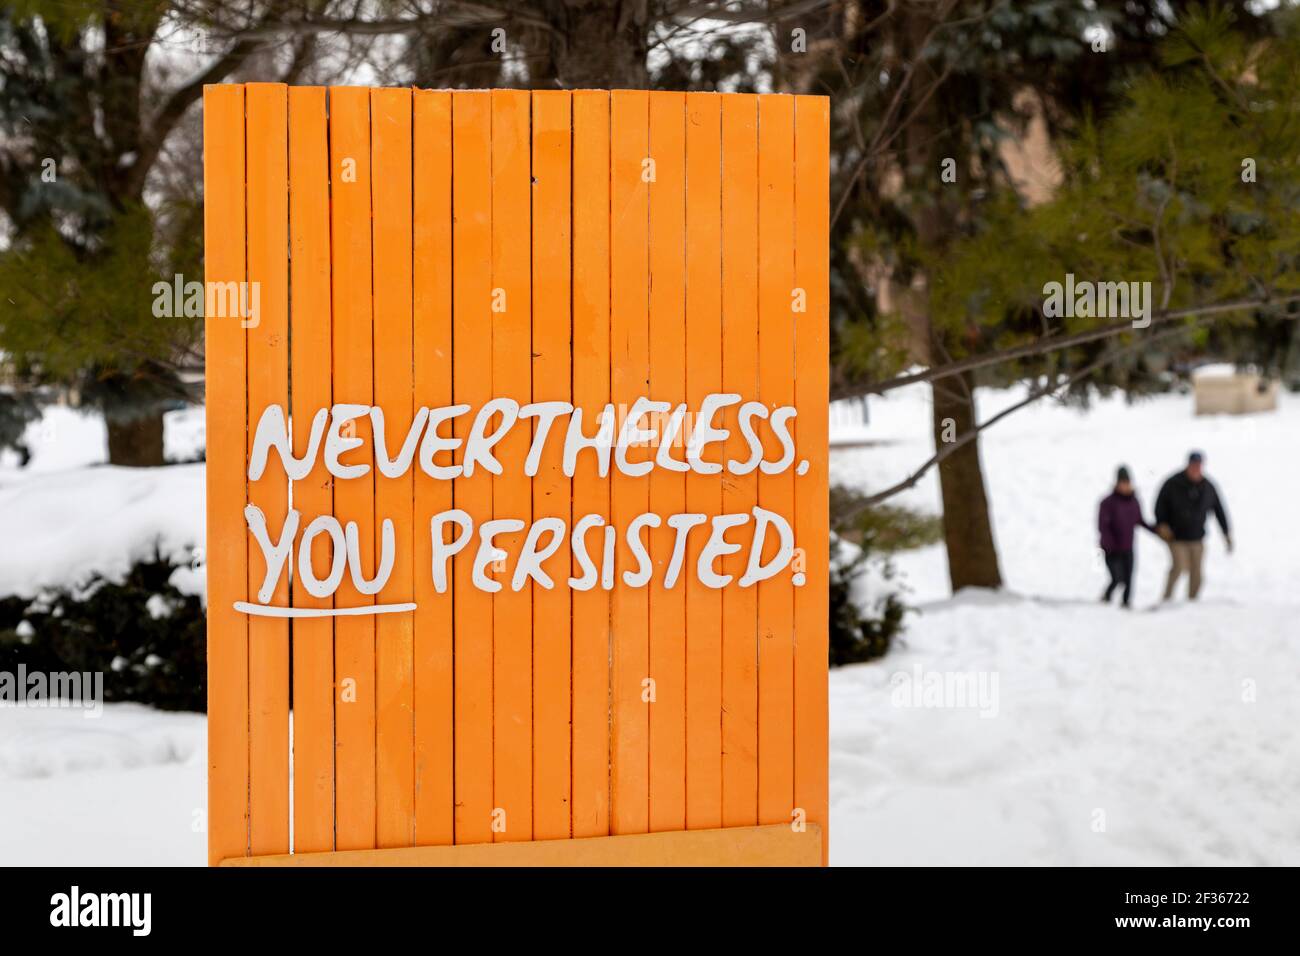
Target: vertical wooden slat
<point>268,384</point>
<point>390,145</point>
<point>775,492</point>
<point>512,650</point>
<point>667,331</point>
<point>629,373</point>
<point>812,512</point>
<point>313,638</point>
<point>591,374</point>
<point>552,495</point>
<point>739,492</point>
<point>354,498</point>
<point>433,615</point>
<point>703,492</point>
<point>227,546</point>
<point>472,385</point>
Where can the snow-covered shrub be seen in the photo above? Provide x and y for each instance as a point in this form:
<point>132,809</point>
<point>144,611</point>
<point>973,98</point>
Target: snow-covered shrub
<point>866,609</point>
<point>856,636</point>
<point>147,638</point>
<point>16,413</point>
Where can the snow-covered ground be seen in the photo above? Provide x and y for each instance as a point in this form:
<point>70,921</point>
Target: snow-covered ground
<point>126,788</point>
<point>1085,735</point>
<point>76,515</point>
<point>1118,737</point>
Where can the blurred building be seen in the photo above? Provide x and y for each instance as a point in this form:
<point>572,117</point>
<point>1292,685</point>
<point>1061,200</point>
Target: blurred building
<point>1223,390</point>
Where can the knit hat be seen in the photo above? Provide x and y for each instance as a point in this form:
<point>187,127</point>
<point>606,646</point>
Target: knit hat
<point>1122,475</point>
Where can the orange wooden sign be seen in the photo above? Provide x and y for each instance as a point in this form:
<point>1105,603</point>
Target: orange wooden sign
<point>517,487</point>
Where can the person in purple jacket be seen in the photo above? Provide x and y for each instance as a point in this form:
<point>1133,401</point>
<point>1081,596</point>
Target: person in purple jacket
<point>1117,519</point>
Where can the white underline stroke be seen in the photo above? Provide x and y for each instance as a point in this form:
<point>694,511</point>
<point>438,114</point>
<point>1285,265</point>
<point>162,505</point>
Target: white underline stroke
<point>267,610</point>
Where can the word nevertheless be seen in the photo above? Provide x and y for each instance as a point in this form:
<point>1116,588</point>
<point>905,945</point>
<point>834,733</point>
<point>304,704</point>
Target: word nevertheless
<point>335,426</point>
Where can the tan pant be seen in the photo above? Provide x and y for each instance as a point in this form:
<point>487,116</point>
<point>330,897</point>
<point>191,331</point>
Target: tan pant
<point>1186,557</point>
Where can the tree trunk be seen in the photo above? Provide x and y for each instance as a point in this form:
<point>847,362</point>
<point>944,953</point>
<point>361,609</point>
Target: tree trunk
<point>967,528</point>
<point>595,44</point>
<point>136,442</point>
<point>931,136</point>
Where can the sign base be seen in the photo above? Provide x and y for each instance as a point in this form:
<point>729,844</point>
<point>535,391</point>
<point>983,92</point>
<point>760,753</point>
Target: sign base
<point>777,845</point>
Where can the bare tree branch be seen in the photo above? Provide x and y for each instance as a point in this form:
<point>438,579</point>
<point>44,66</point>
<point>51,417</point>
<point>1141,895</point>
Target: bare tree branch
<point>1045,345</point>
<point>749,12</point>
<point>884,133</point>
<point>1034,395</point>
<point>449,13</point>
<point>160,126</point>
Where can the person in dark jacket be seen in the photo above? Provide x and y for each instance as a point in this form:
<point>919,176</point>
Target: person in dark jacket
<point>1118,517</point>
<point>1185,501</point>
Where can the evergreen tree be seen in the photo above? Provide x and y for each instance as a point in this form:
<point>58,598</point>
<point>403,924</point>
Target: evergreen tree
<point>83,123</point>
<point>1190,184</point>
<point>928,96</point>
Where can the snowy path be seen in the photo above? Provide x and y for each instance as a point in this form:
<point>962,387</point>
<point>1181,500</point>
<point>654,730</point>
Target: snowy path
<point>1111,738</point>
<point>1113,741</point>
